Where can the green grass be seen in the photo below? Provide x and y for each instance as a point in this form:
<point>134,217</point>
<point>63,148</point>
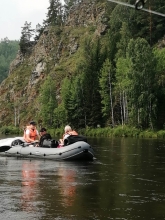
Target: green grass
<point>119,131</point>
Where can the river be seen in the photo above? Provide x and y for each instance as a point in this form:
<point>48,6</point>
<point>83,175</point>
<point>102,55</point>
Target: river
<point>126,181</point>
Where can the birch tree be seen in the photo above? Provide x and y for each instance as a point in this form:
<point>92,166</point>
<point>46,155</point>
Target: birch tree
<point>142,76</point>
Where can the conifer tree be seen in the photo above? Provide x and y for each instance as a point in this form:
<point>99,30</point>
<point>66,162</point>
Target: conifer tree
<point>66,94</point>
<point>90,69</point>
<point>76,103</point>
<point>160,91</point>
<point>55,13</point>
<point>48,101</point>
<point>26,34</point>
<point>106,82</point>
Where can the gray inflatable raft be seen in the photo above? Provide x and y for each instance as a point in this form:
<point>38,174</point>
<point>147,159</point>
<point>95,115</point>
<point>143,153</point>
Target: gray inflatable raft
<point>16,147</point>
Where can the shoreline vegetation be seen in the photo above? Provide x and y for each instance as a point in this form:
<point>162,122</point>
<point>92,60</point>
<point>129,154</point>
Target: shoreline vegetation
<point>119,131</point>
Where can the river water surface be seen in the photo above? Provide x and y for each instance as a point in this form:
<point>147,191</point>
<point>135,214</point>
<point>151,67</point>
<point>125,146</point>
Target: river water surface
<point>125,181</point>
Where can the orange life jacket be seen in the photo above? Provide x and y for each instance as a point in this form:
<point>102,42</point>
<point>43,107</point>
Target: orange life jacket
<point>32,134</point>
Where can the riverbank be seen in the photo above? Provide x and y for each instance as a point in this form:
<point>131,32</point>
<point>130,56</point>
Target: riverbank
<point>119,131</point>
<point>123,131</point>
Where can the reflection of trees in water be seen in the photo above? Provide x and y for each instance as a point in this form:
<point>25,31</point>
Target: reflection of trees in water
<point>30,176</point>
<point>67,185</point>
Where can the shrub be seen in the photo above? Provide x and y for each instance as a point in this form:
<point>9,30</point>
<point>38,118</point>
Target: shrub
<point>10,130</point>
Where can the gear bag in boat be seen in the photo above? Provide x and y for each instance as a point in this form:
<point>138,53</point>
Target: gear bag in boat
<point>74,138</point>
<point>50,143</point>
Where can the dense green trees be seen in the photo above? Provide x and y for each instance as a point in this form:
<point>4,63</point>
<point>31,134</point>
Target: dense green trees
<point>118,76</point>
<point>142,76</point>
<point>47,101</point>
<point>119,80</point>
<point>8,51</point>
<point>80,94</point>
<point>106,85</point>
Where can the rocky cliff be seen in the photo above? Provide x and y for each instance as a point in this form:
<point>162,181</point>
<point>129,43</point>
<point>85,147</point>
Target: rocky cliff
<point>55,53</point>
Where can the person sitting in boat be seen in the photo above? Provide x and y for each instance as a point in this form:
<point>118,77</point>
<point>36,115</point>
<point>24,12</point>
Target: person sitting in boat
<point>46,140</point>
<point>31,133</point>
<point>44,136</point>
<point>68,131</point>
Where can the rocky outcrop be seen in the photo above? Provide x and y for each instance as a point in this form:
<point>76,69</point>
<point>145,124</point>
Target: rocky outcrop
<point>88,13</point>
<point>54,48</point>
<point>16,62</point>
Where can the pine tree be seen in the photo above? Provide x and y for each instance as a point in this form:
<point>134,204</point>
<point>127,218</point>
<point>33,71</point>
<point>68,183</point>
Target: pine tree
<point>90,69</point>
<point>48,101</point>
<point>55,14</point>
<point>106,81</point>
<point>27,33</point>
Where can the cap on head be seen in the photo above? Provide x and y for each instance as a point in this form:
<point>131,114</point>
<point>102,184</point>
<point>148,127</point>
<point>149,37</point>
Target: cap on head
<point>32,123</point>
<point>43,129</point>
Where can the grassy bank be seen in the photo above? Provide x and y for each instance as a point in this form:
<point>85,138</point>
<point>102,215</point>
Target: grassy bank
<point>123,131</point>
<point>119,131</point>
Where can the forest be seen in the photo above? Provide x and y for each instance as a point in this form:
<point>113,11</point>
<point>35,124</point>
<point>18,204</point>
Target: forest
<point>119,79</point>
<point>116,78</point>
<point>8,51</point>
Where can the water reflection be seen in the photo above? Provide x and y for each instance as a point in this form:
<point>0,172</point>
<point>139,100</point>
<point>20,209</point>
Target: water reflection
<point>30,178</point>
<point>126,181</point>
<point>67,185</point>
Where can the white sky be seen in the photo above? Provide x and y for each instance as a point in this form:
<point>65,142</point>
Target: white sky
<point>14,13</point>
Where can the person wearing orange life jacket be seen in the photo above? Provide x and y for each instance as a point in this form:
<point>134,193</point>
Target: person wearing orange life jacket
<point>68,131</point>
<point>31,133</point>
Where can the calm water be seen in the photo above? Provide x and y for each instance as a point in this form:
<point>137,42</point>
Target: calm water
<point>125,181</point>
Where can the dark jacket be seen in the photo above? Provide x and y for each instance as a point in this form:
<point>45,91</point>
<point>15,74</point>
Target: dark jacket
<point>44,137</point>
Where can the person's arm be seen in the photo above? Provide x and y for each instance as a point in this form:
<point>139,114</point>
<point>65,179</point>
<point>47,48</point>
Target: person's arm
<point>38,136</point>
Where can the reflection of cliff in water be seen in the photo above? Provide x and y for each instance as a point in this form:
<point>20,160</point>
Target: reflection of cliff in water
<point>30,179</point>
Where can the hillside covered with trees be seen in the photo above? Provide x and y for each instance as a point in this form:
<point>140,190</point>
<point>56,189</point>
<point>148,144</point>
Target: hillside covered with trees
<point>8,51</point>
<point>92,63</point>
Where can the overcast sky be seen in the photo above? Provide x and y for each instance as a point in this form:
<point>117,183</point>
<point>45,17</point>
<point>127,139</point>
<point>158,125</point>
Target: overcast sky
<point>14,13</point>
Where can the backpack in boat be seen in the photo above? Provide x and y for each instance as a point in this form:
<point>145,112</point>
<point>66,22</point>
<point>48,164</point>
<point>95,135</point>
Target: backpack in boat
<point>50,143</point>
<point>73,139</point>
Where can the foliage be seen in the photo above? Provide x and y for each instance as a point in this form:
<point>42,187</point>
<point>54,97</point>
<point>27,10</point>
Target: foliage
<point>8,51</point>
<point>106,81</point>
<point>119,131</point>
<point>55,13</point>
<point>26,35</point>
<point>47,101</point>
<point>113,79</point>
<point>161,134</point>
<point>10,130</point>
<point>142,96</point>
<point>90,71</point>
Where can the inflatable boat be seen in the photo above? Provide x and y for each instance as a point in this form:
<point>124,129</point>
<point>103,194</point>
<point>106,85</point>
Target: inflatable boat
<point>17,147</point>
